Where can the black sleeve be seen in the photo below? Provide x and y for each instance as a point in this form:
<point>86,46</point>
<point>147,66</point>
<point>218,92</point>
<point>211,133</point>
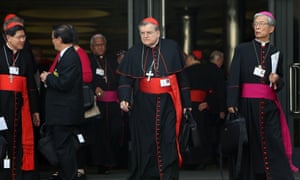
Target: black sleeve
<point>67,71</point>
<point>280,82</point>
<point>31,83</point>
<point>93,67</point>
<point>233,86</point>
<point>184,88</point>
<point>125,88</point>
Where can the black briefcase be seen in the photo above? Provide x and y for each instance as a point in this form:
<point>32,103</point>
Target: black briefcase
<point>189,133</point>
<point>46,147</point>
<point>233,133</point>
<point>233,137</point>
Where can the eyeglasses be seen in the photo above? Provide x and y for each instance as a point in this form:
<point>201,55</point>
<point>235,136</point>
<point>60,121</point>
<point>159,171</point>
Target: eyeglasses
<point>20,38</point>
<point>260,24</point>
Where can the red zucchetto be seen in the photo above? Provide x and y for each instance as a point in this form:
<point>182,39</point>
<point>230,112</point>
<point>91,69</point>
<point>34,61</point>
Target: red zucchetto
<point>150,20</point>
<point>8,17</point>
<point>197,54</point>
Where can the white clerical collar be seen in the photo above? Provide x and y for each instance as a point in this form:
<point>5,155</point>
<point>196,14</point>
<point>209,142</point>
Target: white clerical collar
<point>12,49</point>
<point>155,44</point>
<point>263,43</point>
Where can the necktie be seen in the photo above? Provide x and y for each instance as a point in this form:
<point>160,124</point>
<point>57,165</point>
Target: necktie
<point>55,61</point>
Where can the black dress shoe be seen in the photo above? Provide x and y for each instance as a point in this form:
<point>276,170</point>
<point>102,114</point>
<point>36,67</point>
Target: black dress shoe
<point>54,176</point>
<point>104,170</point>
<point>81,176</point>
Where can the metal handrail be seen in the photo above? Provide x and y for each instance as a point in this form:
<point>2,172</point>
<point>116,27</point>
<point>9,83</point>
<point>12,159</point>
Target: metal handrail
<point>295,88</point>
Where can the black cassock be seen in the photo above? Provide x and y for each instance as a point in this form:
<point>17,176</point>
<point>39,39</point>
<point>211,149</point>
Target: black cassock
<point>105,135</point>
<point>10,108</point>
<point>152,117</point>
<point>264,156</point>
<point>207,78</point>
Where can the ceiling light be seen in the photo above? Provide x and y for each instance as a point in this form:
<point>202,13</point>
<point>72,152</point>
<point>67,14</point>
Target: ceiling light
<point>64,13</point>
<point>48,28</point>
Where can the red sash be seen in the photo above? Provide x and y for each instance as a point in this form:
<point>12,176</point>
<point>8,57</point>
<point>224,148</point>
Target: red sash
<point>264,91</point>
<point>19,84</point>
<point>153,87</point>
<point>197,95</point>
<point>109,96</point>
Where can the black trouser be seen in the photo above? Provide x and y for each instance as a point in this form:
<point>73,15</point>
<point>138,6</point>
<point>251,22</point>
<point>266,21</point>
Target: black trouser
<point>66,152</point>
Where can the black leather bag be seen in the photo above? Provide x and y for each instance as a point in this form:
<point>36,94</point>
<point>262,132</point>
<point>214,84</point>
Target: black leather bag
<point>189,133</point>
<point>88,97</point>
<point>233,133</point>
<point>233,137</point>
<point>46,146</point>
<point>3,145</point>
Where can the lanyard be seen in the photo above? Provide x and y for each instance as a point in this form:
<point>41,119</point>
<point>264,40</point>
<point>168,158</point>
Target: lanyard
<point>14,59</point>
<point>260,62</point>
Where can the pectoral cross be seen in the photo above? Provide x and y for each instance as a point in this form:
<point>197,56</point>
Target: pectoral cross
<point>149,74</point>
<point>105,79</point>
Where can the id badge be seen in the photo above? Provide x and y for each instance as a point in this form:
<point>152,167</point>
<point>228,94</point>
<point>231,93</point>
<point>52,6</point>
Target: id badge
<point>100,72</point>
<point>80,138</point>
<point>6,163</point>
<point>165,82</point>
<point>14,70</point>
<point>3,125</point>
<point>260,72</point>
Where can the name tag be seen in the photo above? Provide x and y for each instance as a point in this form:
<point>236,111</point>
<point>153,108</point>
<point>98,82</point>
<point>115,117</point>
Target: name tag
<point>14,70</point>
<point>80,138</point>
<point>165,82</point>
<point>100,72</point>
<point>6,163</point>
<point>260,72</point>
<point>3,125</point>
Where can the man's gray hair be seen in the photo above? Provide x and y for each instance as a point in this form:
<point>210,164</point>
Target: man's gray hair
<point>271,21</point>
<point>95,36</point>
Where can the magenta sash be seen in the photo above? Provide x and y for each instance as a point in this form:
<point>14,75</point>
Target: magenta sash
<point>109,96</point>
<point>266,92</point>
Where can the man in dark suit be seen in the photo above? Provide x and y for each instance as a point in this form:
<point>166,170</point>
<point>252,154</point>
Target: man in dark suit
<point>64,99</point>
